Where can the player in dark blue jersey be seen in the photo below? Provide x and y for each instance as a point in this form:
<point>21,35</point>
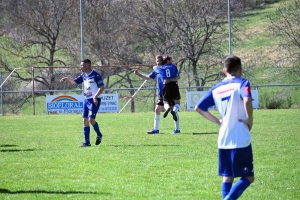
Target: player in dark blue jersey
<point>160,104</point>
<point>171,94</point>
<point>232,97</point>
<point>93,87</point>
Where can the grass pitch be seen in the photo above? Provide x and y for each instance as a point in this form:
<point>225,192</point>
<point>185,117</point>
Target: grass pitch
<point>41,158</point>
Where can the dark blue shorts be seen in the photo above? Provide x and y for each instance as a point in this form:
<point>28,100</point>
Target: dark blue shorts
<point>90,109</point>
<point>236,162</point>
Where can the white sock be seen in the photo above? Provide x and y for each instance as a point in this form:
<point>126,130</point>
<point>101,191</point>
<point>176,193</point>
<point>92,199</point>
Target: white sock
<point>176,107</point>
<point>156,122</point>
<point>177,122</point>
<point>166,106</point>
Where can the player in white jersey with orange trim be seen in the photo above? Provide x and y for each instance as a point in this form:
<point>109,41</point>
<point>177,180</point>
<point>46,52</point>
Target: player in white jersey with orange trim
<point>232,97</point>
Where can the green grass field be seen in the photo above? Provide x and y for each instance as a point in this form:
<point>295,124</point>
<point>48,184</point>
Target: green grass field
<point>41,158</point>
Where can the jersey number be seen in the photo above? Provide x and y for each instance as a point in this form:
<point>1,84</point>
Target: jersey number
<point>168,74</point>
<point>225,100</point>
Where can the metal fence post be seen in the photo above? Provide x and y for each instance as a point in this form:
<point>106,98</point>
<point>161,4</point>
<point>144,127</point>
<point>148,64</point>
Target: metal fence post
<point>2,102</point>
<point>33,102</point>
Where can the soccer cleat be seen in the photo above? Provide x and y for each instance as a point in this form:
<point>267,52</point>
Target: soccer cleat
<point>98,140</point>
<point>85,145</point>
<point>174,115</point>
<point>166,112</point>
<point>153,131</point>
<point>176,131</point>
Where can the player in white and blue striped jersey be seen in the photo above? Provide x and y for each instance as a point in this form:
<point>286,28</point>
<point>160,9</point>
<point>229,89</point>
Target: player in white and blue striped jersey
<point>93,87</point>
<point>232,97</point>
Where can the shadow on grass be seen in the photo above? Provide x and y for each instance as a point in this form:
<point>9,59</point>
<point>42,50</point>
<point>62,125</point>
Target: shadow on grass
<point>6,191</point>
<point>8,145</point>
<point>205,133</point>
<point>16,150</point>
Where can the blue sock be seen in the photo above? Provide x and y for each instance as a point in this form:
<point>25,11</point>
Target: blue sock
<point>238,188</point>
<point>225,188</point>
<point>97,129</point>
<point>86,133</point>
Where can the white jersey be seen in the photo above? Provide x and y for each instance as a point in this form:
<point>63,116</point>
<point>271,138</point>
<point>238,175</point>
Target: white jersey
<point>91,83</point>
<point>228,96</point>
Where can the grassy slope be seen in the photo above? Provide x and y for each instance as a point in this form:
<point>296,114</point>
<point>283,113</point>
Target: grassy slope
<point>256,39</point>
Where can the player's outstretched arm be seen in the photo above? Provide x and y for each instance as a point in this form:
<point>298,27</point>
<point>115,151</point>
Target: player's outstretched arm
<point>143,76</point>
<point>70,80</point>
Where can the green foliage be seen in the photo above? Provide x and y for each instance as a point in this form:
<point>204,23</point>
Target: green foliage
<point>41,158</point>
<point>278,98</point>
<point>272,101</point>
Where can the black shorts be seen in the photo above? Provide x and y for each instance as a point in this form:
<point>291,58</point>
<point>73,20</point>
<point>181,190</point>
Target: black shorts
<point>160,101</point>
<point>171,92</point>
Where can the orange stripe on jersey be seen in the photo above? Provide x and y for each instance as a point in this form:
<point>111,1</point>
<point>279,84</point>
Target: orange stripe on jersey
<point>220,92</point>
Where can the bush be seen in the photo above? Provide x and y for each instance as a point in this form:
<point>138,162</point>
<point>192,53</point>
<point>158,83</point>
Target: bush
<point>276,100</point>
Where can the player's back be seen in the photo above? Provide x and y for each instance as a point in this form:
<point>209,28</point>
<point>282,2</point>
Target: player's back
<point>228,99</point>
<point>168,71</point>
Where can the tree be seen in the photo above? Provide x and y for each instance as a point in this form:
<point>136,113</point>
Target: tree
<point>38,32</point>
<point>110,39</point>
<point>285,24</point>
<point>187,29</point>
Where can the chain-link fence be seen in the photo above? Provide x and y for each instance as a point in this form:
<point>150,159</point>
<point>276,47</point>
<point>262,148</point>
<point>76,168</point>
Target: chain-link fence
<point>19,95</point>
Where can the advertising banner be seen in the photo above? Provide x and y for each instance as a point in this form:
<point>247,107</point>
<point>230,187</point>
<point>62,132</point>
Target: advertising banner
<point>65,104</point>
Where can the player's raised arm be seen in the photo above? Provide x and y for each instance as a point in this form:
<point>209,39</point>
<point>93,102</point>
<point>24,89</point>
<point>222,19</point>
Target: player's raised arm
<point>143,76</point>
<point>70,80</point>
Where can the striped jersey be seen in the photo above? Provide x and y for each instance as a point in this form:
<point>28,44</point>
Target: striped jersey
<point>91,83</point>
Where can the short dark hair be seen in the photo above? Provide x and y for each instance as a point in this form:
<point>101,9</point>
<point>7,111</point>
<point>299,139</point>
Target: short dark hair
<point>87,61</point>
<point>166,58</point>
<point>232,64</point>
<point>159,56</point>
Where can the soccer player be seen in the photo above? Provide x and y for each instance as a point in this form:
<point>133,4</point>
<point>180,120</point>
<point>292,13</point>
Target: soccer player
<point>160,104</point>
<point>93,87</point>
<point>232,97</point>
<point>171,94</point>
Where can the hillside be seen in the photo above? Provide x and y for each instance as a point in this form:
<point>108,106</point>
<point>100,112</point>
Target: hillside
<point>256,40</point>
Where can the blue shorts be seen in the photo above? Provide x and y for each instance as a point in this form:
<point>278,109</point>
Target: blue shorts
<point>90,109</point>
<point>236,162</point>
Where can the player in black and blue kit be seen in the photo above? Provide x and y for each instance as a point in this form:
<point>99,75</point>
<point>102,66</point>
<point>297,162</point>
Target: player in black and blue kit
<point>93,87</point>
<point>160,103</point>
<point>171,94</point>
